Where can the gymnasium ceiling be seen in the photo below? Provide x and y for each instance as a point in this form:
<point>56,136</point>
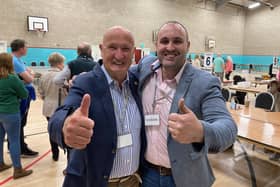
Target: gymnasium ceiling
<point>245,3</point>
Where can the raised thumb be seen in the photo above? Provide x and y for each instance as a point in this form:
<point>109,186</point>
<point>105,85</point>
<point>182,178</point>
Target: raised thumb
<point>85,104</point>
<point>183,109</point>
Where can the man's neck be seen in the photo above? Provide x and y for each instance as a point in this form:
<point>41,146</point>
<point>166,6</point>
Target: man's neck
<point>120,79</point>
<point>169,73</point>
<point>16,54</point>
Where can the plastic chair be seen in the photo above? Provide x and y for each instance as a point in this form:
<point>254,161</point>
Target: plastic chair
<point>33,64</point>
<point>42,63</point>
<point>226,94</point>
<point>265,100</point>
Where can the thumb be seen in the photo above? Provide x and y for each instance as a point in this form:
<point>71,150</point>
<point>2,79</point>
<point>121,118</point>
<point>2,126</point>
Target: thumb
<point>183,109</point>
<point>85,104</point>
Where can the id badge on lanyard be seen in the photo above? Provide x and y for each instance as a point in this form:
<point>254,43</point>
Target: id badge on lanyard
<point>124,141</point>
<point>153,119</point>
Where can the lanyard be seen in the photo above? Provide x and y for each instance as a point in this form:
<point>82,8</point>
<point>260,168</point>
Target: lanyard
<point>155,93</point>
<point>120,115</point>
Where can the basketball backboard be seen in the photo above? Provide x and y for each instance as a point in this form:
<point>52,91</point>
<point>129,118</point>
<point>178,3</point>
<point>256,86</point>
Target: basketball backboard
<point>35,23</point>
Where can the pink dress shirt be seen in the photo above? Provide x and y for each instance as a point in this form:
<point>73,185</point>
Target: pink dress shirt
<point>156,152</point>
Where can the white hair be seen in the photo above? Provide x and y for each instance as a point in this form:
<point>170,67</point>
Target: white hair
<point>229,58</point>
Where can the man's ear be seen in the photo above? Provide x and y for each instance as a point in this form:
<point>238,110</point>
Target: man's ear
<point>189,45</point>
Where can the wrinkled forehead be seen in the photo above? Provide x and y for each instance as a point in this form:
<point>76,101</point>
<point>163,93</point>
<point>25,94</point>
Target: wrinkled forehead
<point>118,35</point>
<point>174,29</point>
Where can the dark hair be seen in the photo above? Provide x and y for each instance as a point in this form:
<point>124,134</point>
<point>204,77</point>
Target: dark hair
<point>237,79</point>
<point>176,23</point>
<point>17,44</point>
<point>274,82</point>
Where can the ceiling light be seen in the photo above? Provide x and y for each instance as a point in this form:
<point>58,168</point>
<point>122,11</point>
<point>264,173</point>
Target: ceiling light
<point>254,5</point>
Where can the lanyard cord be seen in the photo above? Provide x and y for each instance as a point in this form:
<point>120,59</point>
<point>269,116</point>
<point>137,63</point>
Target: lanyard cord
<point>155,93</point>
<point>120,115</point>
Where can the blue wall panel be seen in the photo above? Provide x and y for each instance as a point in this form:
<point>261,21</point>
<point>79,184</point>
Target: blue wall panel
<point>41,54</point>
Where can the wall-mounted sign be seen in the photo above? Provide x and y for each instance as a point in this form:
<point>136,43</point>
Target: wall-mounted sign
<point>3,46</point>
<point>208,60</point>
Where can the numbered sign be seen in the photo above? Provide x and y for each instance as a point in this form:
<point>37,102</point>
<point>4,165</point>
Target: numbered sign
<point>208,60</point>
<point>3,46</point>
<point>275,65</point>
<point>275,61</point>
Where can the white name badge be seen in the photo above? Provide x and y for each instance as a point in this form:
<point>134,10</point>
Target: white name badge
<point>152,120</point>
<point>124,140</point>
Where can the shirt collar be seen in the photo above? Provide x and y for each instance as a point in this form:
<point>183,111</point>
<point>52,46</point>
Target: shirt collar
<point>54,69</point>
<point>176,78</point>
<point>109,78</point>
<point>179,74</point>
<point>18,58</point>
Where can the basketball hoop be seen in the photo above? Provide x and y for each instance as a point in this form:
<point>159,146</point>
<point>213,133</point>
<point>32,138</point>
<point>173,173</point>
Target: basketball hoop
<point>40,32</point>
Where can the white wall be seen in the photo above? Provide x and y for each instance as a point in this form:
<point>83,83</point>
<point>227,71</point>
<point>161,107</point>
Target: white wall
<point>73,21</point>
<point>262,32</point>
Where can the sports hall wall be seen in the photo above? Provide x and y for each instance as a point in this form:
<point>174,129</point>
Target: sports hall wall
<point>250,37</point>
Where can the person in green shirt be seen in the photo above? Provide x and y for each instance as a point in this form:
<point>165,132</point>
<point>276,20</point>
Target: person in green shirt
<point>218,66</point>
<point>11,90</point>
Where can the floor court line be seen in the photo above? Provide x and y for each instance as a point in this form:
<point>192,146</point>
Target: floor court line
<point>26,167</point>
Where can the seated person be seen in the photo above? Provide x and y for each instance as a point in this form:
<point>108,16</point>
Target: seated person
<point>278,74</point>
<point>240,96</point>
<point>274,87</point>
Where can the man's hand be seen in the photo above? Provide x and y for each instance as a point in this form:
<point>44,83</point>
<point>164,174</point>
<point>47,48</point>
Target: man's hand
<point>70,82</point>
<point>31,72</point>
<point>185,127</point>
<point>78,127</point>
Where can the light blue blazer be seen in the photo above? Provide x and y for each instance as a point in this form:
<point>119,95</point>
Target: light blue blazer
<point>202,94</point>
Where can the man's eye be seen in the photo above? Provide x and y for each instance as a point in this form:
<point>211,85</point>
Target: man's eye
<point>112,48</point>
<point>164,41</point>
<point>178,41</point>
<point>126,49</point>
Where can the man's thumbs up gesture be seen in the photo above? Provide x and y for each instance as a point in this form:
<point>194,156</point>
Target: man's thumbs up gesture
<point>185,127</point>
<point>78,128</point>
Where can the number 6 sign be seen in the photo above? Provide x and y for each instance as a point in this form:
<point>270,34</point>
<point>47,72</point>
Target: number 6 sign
<point>208,60</point>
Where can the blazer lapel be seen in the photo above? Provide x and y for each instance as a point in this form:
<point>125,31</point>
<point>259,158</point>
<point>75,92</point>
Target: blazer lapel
<point>181,90</point>
<point>146,70</point>
<point>133,85</point>
<point>105,94</point>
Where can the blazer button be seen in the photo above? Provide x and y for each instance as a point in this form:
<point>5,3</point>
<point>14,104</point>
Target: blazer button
<point>106,177</point>
<point>114,151</point>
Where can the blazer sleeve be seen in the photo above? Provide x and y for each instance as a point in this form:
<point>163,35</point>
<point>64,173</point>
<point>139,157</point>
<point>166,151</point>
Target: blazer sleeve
<point>71,103</point>
<point>220,130</point>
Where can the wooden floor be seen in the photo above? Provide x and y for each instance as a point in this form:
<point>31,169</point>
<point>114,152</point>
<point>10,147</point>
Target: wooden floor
<point>47,173</point>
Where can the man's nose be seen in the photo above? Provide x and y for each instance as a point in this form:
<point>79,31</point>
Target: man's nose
<point>119,54</point>
<point>170,46</point>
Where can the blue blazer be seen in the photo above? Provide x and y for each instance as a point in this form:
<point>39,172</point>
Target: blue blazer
<point>202,94</point>
<point>91,167</point>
